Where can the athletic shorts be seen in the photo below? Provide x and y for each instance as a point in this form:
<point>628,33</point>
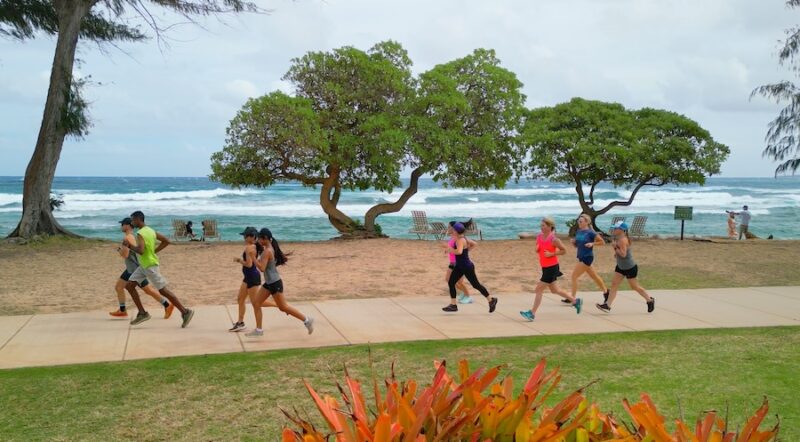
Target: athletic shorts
<point>274,287</point>
<point>588,260</point>
<point>631,273</point>
<point>126,276</point>
<point>550,274</point>
<point>152,274</point>
<point>252,279</point>
<point>451,266</point>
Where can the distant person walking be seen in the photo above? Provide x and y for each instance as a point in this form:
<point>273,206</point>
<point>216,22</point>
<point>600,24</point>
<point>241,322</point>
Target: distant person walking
<point>585,240</point>
<point>251,275</point>
<point>272,257</point>
<point>131,263</point>
<point>731,225</point>
<point>626,268</point>
<point>189,232</point>
<point>548,247</point>
<point>463,295</point>
<point>463,267</point>
<point>149,270</point>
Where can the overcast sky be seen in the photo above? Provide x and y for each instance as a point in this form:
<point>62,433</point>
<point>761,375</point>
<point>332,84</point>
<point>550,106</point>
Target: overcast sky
<point>162,113</point>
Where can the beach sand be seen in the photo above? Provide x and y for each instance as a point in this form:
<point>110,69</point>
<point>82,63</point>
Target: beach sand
<point>80,275</point>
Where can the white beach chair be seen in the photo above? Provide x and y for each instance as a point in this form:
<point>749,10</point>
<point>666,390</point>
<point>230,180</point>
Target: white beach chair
<point>637,227</point>
<point>421,227</point>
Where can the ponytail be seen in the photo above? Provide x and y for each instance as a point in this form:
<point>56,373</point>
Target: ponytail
<point>280,257</point>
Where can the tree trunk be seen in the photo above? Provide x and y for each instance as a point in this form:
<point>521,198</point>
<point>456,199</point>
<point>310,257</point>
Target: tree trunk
<point>329,198</point>
<point>379,209</point>
<point>37,218</point>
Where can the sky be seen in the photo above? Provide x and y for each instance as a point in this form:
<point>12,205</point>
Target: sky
<point>162,111</point>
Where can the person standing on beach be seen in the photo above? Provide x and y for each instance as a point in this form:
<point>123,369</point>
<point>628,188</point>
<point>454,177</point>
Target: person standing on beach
<point>463,267</point>
<point>549,246</point>
<point>744,222</point>
<point>463,291</point>
<point>585,240</point>
<point>731,225</point>
<point>272,257</point>
<point>148,269</point>
<point>252,276</point>
<point>626,268</point>
<point>131,263</point>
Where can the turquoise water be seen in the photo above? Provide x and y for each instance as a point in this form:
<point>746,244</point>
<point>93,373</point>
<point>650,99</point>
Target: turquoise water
<point>94,205</point>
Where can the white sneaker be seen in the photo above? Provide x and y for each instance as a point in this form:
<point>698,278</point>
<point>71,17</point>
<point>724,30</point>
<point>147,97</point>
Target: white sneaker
<point>309,323</point>
<point>464,299</point>
<point>255,333</point>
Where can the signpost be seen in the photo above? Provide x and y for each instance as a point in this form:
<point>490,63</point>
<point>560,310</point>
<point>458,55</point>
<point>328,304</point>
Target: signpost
<point>683,213</point>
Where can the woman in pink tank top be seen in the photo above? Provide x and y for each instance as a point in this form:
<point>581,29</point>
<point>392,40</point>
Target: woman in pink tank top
<point>463,296</point>
<point>549,246</point>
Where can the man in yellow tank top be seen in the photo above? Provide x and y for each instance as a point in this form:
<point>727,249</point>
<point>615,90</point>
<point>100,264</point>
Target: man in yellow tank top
<point>149,269</point>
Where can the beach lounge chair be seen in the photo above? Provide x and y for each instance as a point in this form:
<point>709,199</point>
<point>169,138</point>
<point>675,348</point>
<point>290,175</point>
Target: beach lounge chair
<point>210,230</point>
<point>637,227</point>
<point>179,230</point>
<point>439,230</point>
<point>472,229</point>
<point>421,226</point>
<point>615,220</point>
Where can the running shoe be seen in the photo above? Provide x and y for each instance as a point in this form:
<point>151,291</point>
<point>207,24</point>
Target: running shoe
<point>603,307</point>
<point>187,317</point>
<point>450,308</point>
<point>528,315</point>
<point>309,323</point>
<point>254,333</point>
<point>119,314</point>
<point>578,305</point>
<point>140,317</point>
<point>464,299</point>
<point>168,310</point>
<point>651,305</point>
<point>237,326</point>
<point>566,301</point>
<point>492,305</point>
<point>605,297</point>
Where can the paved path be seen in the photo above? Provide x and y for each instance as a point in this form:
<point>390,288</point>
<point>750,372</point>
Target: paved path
<point>70,338</point>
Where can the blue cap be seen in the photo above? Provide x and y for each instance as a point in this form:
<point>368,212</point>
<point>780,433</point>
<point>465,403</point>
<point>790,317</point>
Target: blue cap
<point>458,227</point>
<point>620,225</point>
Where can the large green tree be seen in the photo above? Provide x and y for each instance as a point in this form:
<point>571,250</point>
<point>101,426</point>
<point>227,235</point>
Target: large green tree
<point>783,135</point>
<point>359,118</point>
<point>587,143</point>
<point>98,21</point>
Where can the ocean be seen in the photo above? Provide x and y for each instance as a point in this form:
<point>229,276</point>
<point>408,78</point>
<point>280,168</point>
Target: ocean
<point>93,205</point>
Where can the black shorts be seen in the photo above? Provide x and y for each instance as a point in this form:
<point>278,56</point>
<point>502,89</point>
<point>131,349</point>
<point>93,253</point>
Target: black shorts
<point>126,276</point>
<point>588,260</point>
<point>275,287</point>
<point>451,266</point>
<point>631,273</point>
<point>550,274</point>
<point>252,280</point>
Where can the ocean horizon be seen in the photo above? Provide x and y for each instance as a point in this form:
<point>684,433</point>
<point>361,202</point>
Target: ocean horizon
<point>94,205</point>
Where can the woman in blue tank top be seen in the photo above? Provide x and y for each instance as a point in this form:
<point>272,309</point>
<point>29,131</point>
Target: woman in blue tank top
<point>585,240</point>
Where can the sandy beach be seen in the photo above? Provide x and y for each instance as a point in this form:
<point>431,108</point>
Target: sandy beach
<point>80,275</point>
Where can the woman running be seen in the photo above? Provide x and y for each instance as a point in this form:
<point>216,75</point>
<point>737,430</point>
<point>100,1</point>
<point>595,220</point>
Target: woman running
<point>252,276</point>
<point>463,291</point>
<point>549,246</point>
<point>585,240</point>
<point>273,285</point>
<point>463,267</point>
<point>626,268</point>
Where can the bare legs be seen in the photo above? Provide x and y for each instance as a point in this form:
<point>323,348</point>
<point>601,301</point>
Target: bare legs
<point>633,282</point>
<point>554,288</point>
<point>580,269</point>
<point>259,299</point>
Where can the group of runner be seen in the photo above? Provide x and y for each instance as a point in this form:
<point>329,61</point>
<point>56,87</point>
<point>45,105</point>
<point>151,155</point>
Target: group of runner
<point>262,254</point>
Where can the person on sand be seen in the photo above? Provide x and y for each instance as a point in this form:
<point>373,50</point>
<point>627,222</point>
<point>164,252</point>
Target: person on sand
<point>131,263</point>
<point>548,247</point>
<point>190,232</point>
<point>252,276</point>
<point>272,257</point>
<point>585,240</point>
<point>145,247</point>
<point>731,225</point>
<point>626,268</point>
<point>463,291</point>
<point>463,267</point>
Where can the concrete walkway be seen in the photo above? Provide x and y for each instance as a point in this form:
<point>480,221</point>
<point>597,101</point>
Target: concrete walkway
<point>70,338</point>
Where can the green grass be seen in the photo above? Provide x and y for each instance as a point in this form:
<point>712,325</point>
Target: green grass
<point>236,396</point>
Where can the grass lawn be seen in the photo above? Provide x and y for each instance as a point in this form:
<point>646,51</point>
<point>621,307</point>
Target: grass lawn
<point>236,396</point>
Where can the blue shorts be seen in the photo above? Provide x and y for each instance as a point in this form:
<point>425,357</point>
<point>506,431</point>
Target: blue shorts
<point>588,260</point>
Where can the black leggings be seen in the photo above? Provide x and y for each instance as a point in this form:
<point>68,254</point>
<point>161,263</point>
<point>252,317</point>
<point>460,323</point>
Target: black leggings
<point>468,273</point>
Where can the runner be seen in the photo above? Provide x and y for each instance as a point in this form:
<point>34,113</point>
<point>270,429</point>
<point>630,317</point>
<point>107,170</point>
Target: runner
<point>273,285</point>
<point>626,268</point>
<point>585,240</point>
<point>463,267</point>
<point>252,277</point>
<point>149,270</point>
<point>549,246</point>
<point>463,291</point>
<point>131,262</point>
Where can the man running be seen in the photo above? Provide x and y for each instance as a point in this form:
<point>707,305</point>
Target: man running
<point>148,269</point>
<point>131,263</point>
